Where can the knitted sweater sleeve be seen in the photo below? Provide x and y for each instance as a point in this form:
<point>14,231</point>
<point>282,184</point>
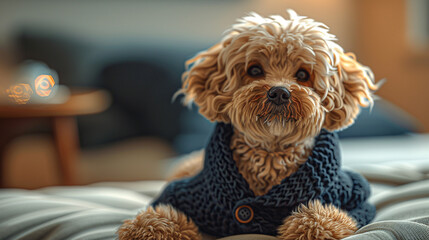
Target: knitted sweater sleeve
<point>167,196</point>
<point>355,203</point>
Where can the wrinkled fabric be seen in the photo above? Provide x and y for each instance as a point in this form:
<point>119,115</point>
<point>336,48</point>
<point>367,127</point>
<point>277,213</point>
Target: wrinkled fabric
<point>66,212</point>
<point>92,213</point>
<point>394,230</point>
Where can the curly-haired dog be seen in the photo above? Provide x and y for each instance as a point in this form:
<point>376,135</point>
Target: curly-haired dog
<point>278,88</point>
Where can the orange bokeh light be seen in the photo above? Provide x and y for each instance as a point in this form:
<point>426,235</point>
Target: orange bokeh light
<point>43,85</point>
<point>19,93</point>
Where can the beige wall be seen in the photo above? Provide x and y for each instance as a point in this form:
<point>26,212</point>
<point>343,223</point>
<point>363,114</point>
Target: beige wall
<point>111,20</point>
<point>384,46</point>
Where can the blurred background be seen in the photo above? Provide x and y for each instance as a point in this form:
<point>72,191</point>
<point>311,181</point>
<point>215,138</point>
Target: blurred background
<point>135,52</point>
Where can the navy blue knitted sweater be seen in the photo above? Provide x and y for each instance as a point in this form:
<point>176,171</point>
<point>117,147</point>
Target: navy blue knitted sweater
<point>221,204</point>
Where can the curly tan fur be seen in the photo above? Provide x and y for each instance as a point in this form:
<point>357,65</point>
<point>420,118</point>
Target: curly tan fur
<point>217,81</point>
<point>161,223</point>
<point>317,222</point>
<point>263,169</point>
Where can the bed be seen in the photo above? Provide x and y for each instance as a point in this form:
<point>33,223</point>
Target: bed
<point>397,167</point>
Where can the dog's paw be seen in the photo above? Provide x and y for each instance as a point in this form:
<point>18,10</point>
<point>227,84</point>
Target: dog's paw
<point>316,221</point>
<point>161,223</point>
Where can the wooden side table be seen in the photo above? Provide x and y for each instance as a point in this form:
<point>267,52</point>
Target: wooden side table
<point>63,123</point>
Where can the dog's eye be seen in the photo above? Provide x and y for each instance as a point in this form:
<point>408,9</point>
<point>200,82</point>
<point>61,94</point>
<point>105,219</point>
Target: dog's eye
<point>255,71</point>
<point>302,75</point>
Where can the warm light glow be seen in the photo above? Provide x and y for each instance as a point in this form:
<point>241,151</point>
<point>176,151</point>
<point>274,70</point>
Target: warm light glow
<point>19,93</point>
<point>43,85</point>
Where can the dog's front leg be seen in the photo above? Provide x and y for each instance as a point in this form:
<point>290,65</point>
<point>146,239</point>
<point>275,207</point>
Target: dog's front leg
<point>316,221</point>
<point>160,223</point>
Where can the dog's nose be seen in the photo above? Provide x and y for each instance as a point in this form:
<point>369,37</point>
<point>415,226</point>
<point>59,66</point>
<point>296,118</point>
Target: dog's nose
<point>278,95</point>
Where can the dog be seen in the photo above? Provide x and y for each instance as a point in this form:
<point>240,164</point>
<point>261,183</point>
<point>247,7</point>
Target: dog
<point>278,88</point>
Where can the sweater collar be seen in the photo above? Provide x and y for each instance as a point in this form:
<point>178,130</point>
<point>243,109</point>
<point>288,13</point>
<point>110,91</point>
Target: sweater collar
<point>220,168</point>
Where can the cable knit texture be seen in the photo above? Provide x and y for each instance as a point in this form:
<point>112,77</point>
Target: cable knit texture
<point>214,196</point>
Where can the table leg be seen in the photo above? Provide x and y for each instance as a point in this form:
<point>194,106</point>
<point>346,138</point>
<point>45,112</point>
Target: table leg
<point>9,129</point>
<point>6,129</point>
<point>66,142</point>
<point>2,163</point>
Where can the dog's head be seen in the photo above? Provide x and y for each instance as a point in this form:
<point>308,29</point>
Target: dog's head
<point>276,77</point>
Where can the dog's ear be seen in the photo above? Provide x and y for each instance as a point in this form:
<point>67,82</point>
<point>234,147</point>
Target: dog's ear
<point>205,83</point>
<point>351,87</point>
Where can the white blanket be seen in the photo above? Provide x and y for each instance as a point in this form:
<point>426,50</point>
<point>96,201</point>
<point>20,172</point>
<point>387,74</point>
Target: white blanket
<point>95,212</point>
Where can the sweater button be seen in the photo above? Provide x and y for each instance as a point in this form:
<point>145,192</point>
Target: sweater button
<point>244,214</point>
